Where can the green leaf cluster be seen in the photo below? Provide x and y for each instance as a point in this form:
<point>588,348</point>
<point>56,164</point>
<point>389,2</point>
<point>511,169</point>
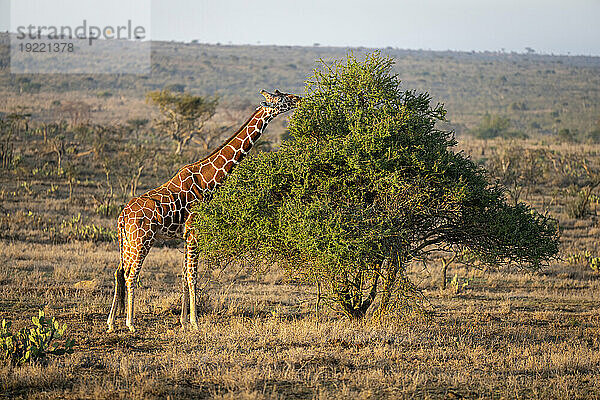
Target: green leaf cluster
<point>36,343</point>
<point>366,185</point>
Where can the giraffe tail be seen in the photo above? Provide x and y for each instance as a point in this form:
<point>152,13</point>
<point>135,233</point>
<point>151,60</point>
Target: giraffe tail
<point>120,274</point>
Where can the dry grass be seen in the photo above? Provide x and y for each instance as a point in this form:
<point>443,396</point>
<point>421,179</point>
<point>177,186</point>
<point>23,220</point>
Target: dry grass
<point>509,334</point>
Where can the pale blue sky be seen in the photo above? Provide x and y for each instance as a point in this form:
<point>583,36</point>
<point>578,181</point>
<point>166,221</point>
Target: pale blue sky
<point>549,26</point>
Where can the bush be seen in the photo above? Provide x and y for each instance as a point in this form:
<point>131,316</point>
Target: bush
<point>517,169</point>
<point>578,203</point>
<point>75,229</point>
<point>585,259</point>
<point>33,344</point>
<point>566,135</point>
<point>594,134</point>
<point>493,126</point>
<point>366,185</point>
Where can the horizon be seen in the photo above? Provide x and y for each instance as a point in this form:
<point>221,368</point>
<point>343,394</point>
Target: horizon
<point>325,46</point>
<point>508,26</point>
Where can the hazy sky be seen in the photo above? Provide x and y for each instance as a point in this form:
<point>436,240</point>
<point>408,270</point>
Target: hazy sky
<point>549,26</point>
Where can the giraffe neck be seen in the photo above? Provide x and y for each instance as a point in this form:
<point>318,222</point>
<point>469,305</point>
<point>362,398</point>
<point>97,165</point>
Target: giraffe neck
<point>215,168</point>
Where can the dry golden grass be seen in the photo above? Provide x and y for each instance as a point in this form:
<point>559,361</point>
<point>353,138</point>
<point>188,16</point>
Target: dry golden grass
<point>507,335</point>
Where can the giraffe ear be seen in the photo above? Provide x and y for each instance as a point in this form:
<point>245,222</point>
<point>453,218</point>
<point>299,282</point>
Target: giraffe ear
<point>277,91</point>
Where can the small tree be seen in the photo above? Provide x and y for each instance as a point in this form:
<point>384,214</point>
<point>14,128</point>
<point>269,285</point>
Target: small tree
<point>517,169</point>
<point>183,115</point>
<point>134,160</point>
<point>367,185</point>
<point>72,173</point>
<point>7,145</point>
<point>135,125</point>
<point>19,120</point>
<point>75,112</point>
<point>579,173</point>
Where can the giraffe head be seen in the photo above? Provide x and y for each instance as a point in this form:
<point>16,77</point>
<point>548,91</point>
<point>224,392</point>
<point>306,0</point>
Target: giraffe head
<point>277,103</point>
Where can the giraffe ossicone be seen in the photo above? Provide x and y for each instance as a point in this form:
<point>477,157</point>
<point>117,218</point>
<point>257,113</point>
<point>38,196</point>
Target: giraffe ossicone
<point>166,210</point>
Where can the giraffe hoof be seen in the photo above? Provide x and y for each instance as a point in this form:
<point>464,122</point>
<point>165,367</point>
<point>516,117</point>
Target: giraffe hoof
<point>131,328</point>
<point>195,327</point>
<point>110,329</point>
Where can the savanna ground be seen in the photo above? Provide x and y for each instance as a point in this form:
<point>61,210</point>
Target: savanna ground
<point>491,334</point>
<point>505,334</point>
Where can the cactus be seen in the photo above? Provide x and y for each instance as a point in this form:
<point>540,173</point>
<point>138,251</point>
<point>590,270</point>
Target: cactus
<point>36,343</point>
<point>595,264</point>
<point>585,258</point>
<point>459,283</point>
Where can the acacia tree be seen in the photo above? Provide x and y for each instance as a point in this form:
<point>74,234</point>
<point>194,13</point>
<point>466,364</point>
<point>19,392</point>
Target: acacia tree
<point>366,185</point>
<point>183,115</point>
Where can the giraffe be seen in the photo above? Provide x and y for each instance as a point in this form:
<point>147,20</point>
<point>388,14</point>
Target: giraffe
<point>166,210</point>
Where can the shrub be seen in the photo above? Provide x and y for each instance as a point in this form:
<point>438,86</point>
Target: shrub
<point>493,126</point>
<point>595,264</point>
<point>594,134</point>
<point>366,185</point>
<point>33,344</point>
<point>75,229</point>
<point>578,203</point>
<point>104,94</point>
<point>586,259</point>
<point>519,106</point>
<point>108,210</point>
<point>566,135</point>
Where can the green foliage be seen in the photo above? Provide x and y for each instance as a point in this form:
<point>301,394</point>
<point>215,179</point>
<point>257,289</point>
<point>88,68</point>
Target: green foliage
<point>36,343</point>
<point>470,83</point>
<point>111,210</point>
<point>595,264</point>
<point>586,258</point>
<point>367,185</point>
<point>493,126</point>
<point>75,229</point>
<point>457,284</point>
<point>578,203</point>
<point>104,94</point>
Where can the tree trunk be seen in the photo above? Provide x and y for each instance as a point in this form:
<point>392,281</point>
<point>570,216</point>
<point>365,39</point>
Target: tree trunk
<point>445,264</point>
<point>444,274</point>
<point>135,181</point>
<point>58,161</point>
<point>354,307</point>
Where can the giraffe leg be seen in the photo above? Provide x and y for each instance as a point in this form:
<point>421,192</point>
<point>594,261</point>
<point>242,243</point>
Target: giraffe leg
<point>130,296</point>
<point>131,281</point>
<point>118,297</point>
<point>192,272</point>
<point>185,297</point>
